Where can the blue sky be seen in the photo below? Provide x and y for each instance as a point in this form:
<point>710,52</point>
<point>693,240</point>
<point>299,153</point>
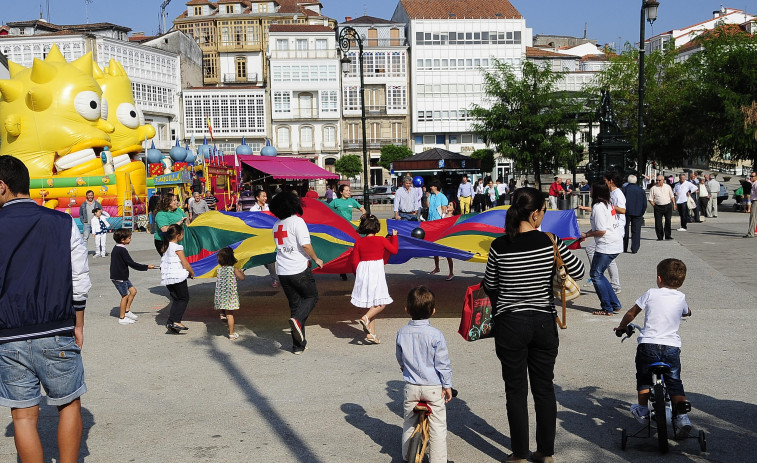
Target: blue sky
<point>608,20</point>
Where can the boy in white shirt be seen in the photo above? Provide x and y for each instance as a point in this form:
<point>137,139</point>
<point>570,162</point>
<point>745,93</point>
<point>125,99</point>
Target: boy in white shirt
<point>100,226</point>
<point>659,340</point>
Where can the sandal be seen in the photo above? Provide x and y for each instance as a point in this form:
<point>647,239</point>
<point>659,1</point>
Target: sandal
<point>364,323</point>
<point>434,272</point>
<point>372,339</point>
<point>602,312</point>
<point>234,337</point>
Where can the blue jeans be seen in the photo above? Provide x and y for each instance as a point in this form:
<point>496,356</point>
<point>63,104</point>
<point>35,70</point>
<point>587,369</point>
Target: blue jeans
<point>647,354</point>
<point>607,298</point>
<point>302,295</point>
<point>53,362</point>
<point>408,216</point>
<point>123,286</point>
<point>86,231</point>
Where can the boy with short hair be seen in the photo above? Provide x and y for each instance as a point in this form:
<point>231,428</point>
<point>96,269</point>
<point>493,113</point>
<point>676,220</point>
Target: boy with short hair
<point>120,261</point>
<point>659,340</point>
<point>100,226</point>
<point>424,361</point>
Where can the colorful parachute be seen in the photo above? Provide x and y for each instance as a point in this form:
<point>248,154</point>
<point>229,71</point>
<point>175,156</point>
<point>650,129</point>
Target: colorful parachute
<point>249,233</point>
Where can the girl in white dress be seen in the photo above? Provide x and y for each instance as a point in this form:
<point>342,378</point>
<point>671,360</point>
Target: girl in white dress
<point>368,258</point>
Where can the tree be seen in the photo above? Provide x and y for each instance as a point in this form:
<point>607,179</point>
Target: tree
<point>391,153</point>
<point>349,165</point>
<point>668,92</point>
<point>527,120</point>
<point>487,160</point>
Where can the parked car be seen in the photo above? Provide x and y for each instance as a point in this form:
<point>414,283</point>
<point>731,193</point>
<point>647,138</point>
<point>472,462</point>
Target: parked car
<point>381,194</point>
<point>722,194</point>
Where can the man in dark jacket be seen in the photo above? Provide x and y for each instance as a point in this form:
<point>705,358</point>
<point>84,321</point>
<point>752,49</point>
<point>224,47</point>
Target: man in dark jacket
<point>636,205</point>
<point>86,213</point>
<point>44,280</point>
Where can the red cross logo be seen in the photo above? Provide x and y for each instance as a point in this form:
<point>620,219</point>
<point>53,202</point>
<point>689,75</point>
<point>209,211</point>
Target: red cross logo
<point>280,234</point>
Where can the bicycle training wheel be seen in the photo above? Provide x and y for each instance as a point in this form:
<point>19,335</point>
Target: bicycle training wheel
<point>660,418</point>
<point>414,448</point>
<point>623,439</point>
<point>702,441</point>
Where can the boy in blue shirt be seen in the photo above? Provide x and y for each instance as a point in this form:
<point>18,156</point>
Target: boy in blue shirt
<point>424,361</point>
<point>659,341</point>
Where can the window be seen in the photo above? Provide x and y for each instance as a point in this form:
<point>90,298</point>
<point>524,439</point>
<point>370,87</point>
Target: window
<point>429,139</point>
<point>351,98</point>
<point>282,103</point>
<point>466,138</point>
<point>306,105</point>
<point>229,9</point>
<point>328,102</point>
<point>394,37</point>
<point>320,44</point>
<point>232,113</point>
<point>282,44</point>
<point>374,131</point>
<point>241,62</point>
<point>397,135</point>
<point>372,37</point>
<point>209,66</point>
<point>262,7</point>
<point>302,44</point>
<point>396,97</point>
<point>197,11</point>
<point>353,132</point>
<point>306,137</point>
<point>282,137</point>
<point>329,136</point>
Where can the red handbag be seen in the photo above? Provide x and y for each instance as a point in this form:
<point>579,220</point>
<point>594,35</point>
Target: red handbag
<point>476,322</point>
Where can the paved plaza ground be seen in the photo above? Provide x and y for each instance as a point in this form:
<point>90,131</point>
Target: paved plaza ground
<point>198,397</point>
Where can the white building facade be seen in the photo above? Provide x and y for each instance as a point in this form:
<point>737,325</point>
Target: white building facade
<point>305,94</point>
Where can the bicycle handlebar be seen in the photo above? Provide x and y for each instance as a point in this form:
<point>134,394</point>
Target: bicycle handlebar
<point>628,332</point>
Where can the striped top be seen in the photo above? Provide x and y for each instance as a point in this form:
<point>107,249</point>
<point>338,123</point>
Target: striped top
<point>519,272</point>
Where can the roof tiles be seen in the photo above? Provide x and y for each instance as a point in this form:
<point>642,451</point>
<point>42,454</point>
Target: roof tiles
<point>460,9</point>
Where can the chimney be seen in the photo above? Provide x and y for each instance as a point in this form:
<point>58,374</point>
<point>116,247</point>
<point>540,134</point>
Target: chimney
<point>347,19</point>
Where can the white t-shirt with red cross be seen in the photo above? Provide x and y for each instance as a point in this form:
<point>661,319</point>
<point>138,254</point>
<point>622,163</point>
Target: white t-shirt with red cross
<point>290,235</point>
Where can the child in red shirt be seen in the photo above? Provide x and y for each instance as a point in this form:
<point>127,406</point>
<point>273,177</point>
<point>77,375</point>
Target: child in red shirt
<point>368,258</point>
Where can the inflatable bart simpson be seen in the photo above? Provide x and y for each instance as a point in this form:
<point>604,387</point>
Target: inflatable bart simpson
<point>53,116</point>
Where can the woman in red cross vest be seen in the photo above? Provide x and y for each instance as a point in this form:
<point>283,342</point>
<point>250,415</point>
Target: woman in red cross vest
<point>293,254</point>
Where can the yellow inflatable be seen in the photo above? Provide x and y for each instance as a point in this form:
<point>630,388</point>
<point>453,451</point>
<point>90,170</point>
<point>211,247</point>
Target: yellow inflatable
<point>60,118</point>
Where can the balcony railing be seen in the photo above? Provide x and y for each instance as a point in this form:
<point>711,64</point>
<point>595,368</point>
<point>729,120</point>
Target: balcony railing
<point>305,114</point>
<point>231,77</point>
<point>303,54</point>
<point>374,143</point>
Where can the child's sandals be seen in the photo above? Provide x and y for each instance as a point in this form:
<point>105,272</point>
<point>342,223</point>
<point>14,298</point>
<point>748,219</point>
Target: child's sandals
<point>364,323</point>
<point>234,337</point>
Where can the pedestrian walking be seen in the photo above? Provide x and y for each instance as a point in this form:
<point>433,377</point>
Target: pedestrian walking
<point>368,258</point>
<point>293,254</point>
<point>227,297</point>
<point>663,203</point>
<point>465,195</point>
<point>42,331</point>
<point>636,205</point>
<point>174,271</point>
<point>120,261</point>
<point>753,213</point>
<point>682,191</point>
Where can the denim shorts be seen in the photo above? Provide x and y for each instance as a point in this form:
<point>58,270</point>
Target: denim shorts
<point>53,362</point>
<point>647,354</point>
<point>123,286</point>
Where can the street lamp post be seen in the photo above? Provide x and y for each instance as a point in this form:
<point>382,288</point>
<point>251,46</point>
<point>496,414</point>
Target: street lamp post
<point>346,36</point>
<point>648,12</point>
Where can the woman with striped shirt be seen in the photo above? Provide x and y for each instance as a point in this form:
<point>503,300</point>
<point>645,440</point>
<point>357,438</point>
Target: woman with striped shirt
<point>518,280</point>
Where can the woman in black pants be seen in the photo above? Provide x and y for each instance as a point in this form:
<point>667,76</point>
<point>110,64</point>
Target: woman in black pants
<point>293,254</point>
<point>518,280</point>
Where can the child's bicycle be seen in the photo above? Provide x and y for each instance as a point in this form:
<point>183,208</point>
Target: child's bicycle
<point>419,439</point>
<point>661,411</point>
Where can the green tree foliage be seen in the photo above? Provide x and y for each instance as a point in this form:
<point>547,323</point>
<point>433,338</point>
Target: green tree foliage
<point>487,160</point>
<point>726,71</point>
<point>349,165</point>
<point>391,153</point>
<point>527,120</point>
<point>693,107</point>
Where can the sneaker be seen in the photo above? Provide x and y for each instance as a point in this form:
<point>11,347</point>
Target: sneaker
<point>298,350</point>
<point>641,413</point>
<point>296,330</point>
<point>681,229</point>
<point>126,321</point>
<point>683,426</point>
<point>617,291</point>
<point>132,315</point>
<point>589,282</point>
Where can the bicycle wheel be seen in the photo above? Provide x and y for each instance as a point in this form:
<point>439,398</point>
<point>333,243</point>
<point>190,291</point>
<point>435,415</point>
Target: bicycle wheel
<point>660,418</point>
<point>414,448</point>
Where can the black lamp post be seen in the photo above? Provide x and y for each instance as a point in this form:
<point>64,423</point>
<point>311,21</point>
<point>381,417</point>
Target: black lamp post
<point>648,12</point>
<point>344,40</point>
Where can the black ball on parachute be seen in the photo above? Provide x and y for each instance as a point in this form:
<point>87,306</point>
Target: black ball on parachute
<point>418,232</point>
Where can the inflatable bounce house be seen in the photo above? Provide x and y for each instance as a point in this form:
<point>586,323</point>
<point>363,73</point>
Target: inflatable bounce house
<point>76,128</point>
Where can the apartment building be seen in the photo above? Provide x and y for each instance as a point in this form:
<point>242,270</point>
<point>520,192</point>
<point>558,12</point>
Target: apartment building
<point>680,37</point>
<point>233,36</point>
<point>385,69</point>
<point>155,74</point>
<point>305,92</point>
<point>450,46</point>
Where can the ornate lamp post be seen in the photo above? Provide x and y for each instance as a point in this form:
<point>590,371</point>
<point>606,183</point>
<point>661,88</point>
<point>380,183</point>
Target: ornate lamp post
<point>344,41</point>
<point>648,12</point>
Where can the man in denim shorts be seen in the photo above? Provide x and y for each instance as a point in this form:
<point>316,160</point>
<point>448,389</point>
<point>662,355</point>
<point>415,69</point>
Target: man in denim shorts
<point>43,292</point>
